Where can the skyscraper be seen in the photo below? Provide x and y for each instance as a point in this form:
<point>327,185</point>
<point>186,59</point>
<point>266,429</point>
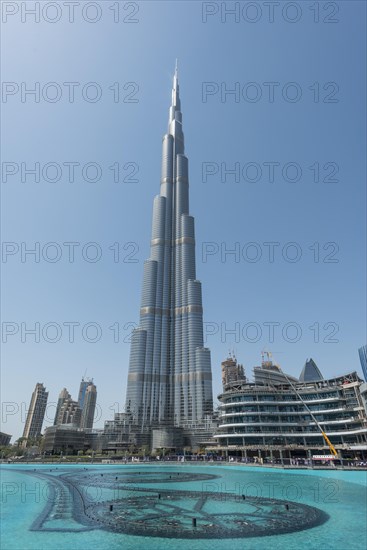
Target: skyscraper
<point>63,396</point>
<point>36,412</point>
<point>82,389</point>
<point>79,413</point>
<point>363,359</point>
<point>89,406</point>
<point>310,372</point>
<point>170,380</point>
<point>69,412</point>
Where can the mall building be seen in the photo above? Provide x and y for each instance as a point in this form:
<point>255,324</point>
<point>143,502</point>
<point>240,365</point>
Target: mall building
<point>280,418</point>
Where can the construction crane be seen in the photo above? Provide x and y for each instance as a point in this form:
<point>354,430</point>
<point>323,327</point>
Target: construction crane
<point>327,440</point>
<point>268,354</point>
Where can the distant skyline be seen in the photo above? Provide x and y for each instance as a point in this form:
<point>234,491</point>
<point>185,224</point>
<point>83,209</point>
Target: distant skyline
<point>322,293</point>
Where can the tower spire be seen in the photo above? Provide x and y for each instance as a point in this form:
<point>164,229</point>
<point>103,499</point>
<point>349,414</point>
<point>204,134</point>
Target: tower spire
<point>175,115</point>
<point>175,94</point>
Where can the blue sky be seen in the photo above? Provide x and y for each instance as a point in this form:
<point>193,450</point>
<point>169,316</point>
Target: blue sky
<point>239,294</point>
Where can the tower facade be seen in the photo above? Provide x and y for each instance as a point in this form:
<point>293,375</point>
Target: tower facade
<point>89,406</point>
<point>363,359</point>
<point>170,378</point>
<point>310,372</point>
<point>82,390</point>
<point>69,413</point>
<point>63,396</point>
<point>36,412</point>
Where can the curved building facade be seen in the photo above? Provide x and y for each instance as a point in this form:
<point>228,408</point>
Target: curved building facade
<point>269,373</point>
<point>275,420</point>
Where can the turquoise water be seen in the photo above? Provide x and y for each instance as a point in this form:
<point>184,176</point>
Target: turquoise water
<point>25,496</point>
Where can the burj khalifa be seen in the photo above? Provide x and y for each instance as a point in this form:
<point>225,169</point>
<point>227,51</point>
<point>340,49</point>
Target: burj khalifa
<point>170,379</point>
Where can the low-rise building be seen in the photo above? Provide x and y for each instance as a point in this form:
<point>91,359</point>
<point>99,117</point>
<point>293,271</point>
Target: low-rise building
<point>64,438</point>
<point>4,439</point>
